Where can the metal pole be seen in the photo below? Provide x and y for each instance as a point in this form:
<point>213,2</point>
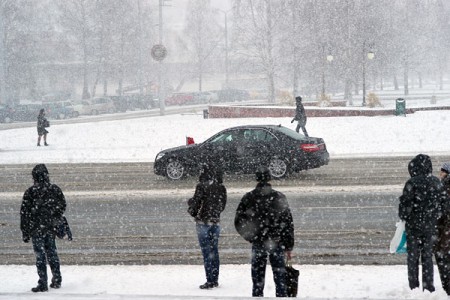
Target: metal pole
<point>140,79</point>
<point>161,88</point>
<point>2,59</point>
<point>323,71</point>
<point>364,75</point>
<point>226,52</point>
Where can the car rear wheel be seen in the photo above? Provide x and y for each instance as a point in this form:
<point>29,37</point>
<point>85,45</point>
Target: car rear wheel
<point>278,167</point>
<point>175,169</point>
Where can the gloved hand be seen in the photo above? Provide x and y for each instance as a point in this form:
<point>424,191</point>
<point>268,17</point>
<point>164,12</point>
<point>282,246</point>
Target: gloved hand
<point>25,238</point>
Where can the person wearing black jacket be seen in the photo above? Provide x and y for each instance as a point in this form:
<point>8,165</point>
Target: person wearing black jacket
<point>421,205</point>
<point>42,124</point>
<point>442,249</point>
<point>300,116</point>
<point>208,202</point>
<point>264,219</point>
<point>41,212</point>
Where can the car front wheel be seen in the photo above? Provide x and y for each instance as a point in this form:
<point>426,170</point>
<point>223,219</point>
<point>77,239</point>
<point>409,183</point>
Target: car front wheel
<point>278,167</point>
<point>175,169</point>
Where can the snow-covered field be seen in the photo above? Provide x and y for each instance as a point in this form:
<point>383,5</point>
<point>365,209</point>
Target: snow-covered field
<point>138,140</point>
<point>181,282</point>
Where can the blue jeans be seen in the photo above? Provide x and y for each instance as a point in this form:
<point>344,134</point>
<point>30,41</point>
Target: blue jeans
<point>44,247</point>
<point>208,238</point>
<point>259,262</point>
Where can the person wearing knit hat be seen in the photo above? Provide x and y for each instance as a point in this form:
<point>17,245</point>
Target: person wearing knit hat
<point>445,170</point>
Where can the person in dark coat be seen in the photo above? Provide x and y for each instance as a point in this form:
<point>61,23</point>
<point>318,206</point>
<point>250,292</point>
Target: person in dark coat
<point>41,212</point>
<point>208,202</point>
<point>42,123</point>
<point>442,249</point>
<point>264,219</point>
<point>300,116</point>
<point>421,205</point>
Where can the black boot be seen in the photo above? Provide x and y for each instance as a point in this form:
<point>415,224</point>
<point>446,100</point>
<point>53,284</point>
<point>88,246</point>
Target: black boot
<point>40,288</point>
<point>45,144</point>
<point>38,144</point>
<point>209,285</point>
<point>56,284</point>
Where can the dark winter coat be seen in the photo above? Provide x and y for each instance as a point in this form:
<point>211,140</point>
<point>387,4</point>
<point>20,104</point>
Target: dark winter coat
<point>300,114</point>
<point>263,217</point>
<point>208,202</point>
<point>423,198</point>
<point>42,207</point>
<point>42,123</point>
<point>443,225</point>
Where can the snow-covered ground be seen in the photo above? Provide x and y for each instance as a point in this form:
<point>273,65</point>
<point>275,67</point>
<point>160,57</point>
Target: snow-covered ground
<point>181,282</point>
<point>138,140</point>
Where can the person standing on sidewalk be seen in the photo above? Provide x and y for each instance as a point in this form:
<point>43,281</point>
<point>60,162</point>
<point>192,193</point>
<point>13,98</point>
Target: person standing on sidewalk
<point>442,249</point>
<point>42,124</point>
<point>208,202</point>
<point>421,205</point>
<point>42,210</point>
<point>264,219</point>
<point>300,116</point>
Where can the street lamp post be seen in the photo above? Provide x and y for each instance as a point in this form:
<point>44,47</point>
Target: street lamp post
<point>370,55</point>
<point>329,58</point>
<point>225,13</point>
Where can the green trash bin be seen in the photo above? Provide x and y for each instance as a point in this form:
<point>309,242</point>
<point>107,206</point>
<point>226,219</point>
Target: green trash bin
<point>400,107</point>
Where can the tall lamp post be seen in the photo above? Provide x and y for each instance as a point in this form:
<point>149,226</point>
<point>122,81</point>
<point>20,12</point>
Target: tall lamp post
<point>329,58</point>
<point>225,13</point>
<point>370,55</point>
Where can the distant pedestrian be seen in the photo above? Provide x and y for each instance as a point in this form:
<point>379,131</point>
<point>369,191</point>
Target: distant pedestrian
<point>421,205</point>
<point>442,248</point>
<point>264,219</point>
<point>42,124</point>
<point>300,116</point>
<point>208,202</point>
<point>41,212</point>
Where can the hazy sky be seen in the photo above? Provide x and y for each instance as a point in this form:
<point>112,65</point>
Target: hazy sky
<point>174,15</point>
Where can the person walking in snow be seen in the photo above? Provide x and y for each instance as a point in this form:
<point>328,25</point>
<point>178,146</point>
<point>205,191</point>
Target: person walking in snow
<point>42,124</point>
<point>208,202</point>
<point>421,205</point>
<point>442,249</point>
<point>42,210</point>
<point>264,219</point>
<point>300,116</point>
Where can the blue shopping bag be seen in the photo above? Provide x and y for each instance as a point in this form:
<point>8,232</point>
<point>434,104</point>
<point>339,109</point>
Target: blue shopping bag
<point>398,242</point>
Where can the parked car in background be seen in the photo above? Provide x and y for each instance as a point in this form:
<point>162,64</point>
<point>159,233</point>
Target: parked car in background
<point>27,112</point>
<point>243,149</point>
<point>180,99</point>
<point>100,105</point>
<point>6,114</point>
<point>230,95</point>
<point>82,108</point>
<point>120,102</point>
<point>137,101</point>
<point>59,110</point>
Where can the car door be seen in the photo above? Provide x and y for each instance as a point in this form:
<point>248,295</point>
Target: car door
<point>221,150</point>
<point>255,149</point>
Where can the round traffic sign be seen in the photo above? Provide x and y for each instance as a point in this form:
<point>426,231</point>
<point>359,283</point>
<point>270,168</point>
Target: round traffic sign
<point>159,52</point>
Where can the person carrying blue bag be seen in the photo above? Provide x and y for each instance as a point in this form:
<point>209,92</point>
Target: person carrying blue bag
<point>421,205</point>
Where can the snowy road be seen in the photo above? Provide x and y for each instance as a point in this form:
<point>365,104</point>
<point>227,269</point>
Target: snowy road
<point>123,213</point>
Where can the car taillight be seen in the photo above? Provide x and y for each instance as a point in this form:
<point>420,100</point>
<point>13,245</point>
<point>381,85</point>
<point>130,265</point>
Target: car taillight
<point>310,147</point>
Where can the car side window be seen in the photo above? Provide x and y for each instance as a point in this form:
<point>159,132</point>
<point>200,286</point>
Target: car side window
<point>261,135</point>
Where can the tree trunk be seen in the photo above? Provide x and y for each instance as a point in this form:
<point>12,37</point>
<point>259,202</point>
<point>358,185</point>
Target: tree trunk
<point>405,78</point>
<point>396,83</point>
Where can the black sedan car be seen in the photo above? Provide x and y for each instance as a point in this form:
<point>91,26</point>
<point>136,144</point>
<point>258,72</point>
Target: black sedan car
<point>244,148</point>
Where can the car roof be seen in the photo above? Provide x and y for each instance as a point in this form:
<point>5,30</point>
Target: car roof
<point>268,126</point>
